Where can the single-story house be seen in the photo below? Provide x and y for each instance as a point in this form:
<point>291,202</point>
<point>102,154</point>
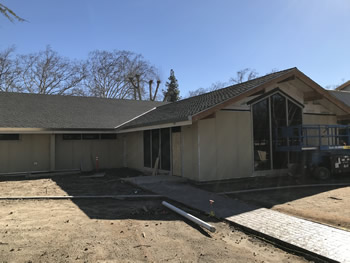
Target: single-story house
<point>223,134</point>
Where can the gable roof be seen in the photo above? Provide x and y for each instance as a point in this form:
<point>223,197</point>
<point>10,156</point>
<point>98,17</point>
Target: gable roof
<point>201,106</point>
<point>343,96</point>
<point>23,110</point>
<point>186,109</point>
<point>343,86</point>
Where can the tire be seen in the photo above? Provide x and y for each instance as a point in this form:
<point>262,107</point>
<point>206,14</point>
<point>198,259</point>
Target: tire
<point>322,173</point>
<point>296,170</point>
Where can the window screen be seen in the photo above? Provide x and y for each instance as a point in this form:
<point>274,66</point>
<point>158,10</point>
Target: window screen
<point>147,148</point>
<point>108,136</point>
<point>9,137</point>
<point>92,136</point>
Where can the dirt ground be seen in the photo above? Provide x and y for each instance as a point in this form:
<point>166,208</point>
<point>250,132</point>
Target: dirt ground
<point>327,205</point>
<point>76,184</point>
<point>119,231</point>
<point>108,230</point>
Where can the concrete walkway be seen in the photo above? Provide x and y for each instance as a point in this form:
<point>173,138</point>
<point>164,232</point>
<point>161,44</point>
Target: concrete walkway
<point>318,240</point>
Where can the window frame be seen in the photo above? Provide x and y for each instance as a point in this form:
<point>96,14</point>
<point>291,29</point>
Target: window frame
<point>268,96</point>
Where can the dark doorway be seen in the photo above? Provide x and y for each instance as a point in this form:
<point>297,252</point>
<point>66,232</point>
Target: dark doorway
<point>165,149</point>
<point>147,148</point>
<point>156,144</point>
<point>155,147</point>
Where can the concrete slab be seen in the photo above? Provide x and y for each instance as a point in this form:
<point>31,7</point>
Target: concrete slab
<point>177,189</point>
<point>321,241</point>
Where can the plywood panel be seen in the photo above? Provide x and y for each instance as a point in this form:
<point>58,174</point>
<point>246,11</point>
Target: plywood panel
<point>176,153</point>
<point>190,151</point>
<point>134,150</point>
<point>30,153</point>
<point>76,154</point>
<point>226,146</point>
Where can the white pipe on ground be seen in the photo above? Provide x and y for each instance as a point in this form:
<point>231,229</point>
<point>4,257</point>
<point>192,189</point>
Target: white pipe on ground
<point>189,216</point>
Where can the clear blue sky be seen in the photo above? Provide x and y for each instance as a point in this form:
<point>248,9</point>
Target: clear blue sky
<point>204,41</point>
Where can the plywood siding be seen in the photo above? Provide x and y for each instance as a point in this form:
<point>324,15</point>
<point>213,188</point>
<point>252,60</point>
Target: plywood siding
<point>319,119</point>
<point>207,149</point>
<point>176,153</point>
<point>134,150</point>
<point>30,153</point>
<point>76,154</point>
<point>190,152</point>
<point>225,148</point>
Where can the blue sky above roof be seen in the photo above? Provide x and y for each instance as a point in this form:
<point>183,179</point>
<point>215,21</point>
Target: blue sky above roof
<point>203,41</point>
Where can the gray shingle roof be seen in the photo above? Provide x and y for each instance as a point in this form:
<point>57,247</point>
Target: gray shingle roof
<point>343,96</point>
<point>183,109</point>
<point>22,110</point>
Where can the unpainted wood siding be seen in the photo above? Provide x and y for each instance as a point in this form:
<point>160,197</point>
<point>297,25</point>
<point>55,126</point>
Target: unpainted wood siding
<point>76,154</point>
<point>190,151</point>
<point>319,119</point>
<point>225,146</point>
<point>134,150</point>
<point>30,153</point>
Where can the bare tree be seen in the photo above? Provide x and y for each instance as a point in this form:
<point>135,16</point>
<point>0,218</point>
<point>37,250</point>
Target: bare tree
<point>215,86</point>
<point>120,74</point>
<point>241,76</point>
<point>9,14</point>
<point>9,71</point>
<point>140,72</point>
<point>106,73</point>
<point>46,72</point>
<point>153,93</point>
<point>244,75</point>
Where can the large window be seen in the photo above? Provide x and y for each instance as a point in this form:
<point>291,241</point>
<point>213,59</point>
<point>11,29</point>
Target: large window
<point>269,116</point>
<point>278,120</point>
<point>261,122</point>
<point>156,144</point>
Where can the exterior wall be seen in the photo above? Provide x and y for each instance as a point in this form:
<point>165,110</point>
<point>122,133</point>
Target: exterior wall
<point>319,119</point>
<point>225,146</point>
<point>133,153</point>
<point>30,153</point>
<point>190,152</point>
<point>176,153</point>
<point>76,154</point>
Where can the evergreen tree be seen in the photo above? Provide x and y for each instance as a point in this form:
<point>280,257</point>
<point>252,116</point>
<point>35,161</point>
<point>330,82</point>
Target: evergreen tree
<point>172,93</point>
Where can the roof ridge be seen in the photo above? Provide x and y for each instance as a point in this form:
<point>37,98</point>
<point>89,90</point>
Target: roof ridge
<point>237,84</point>
<point>76,96</point>
<point>345,84</point>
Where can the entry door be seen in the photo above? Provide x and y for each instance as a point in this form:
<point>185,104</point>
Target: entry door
<point>176,152</point>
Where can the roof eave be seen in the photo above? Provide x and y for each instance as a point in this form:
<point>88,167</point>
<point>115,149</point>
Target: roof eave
<point>157,126</point>
<point>325,94</point>
<point>54,131</point>
<point>342,86</point>
<point>243,95</point>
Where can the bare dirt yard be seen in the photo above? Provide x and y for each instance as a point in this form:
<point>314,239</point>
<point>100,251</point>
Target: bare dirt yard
<point>323,204</point>
<point>108,230</point>
<point>327,205</point>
